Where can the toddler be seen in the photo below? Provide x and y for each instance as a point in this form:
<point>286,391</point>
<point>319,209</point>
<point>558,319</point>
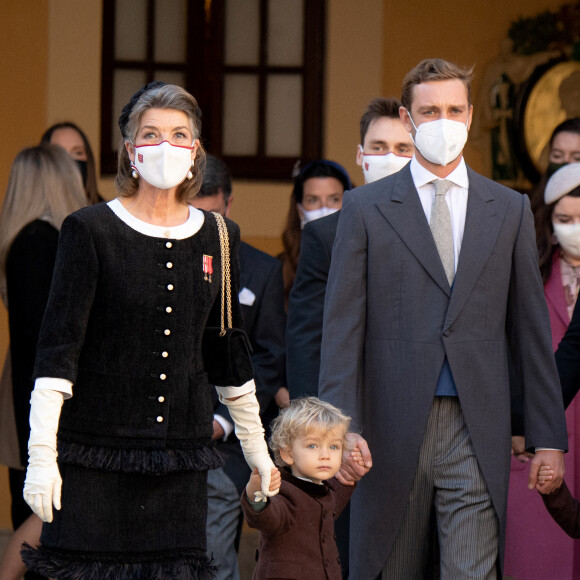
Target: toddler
<point>297,525</point>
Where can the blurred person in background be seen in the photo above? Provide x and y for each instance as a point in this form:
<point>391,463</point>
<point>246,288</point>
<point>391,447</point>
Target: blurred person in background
<point>262,302</point>
<point>44,187</point>
<point>564,148</point>
<point>385,148</point>
<point>535,546</point>
<point>74,141</point>
<point>318,190</point>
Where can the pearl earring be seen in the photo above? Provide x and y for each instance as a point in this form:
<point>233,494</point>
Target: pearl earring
<point>134,173</point>
<point>189,173</point>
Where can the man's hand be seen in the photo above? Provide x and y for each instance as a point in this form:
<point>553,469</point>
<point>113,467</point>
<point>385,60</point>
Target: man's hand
<point>282,398</point>
<point>356,460</point>
<point>553,459</point>
<point>218,430</point>
<point>519,449</point>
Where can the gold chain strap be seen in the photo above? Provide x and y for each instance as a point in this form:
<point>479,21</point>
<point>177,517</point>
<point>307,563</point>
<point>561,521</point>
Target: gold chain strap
<point>226,279</point>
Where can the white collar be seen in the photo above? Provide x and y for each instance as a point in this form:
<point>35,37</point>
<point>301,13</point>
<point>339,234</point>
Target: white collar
<point>422,176</point>
<point>308,480</point>
<point>180,232</point>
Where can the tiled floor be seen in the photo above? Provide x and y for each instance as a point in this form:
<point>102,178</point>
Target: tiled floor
<point>248,546</point>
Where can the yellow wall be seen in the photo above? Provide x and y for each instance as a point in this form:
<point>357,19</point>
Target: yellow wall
<point>23,46</point>
<point>467,33</point>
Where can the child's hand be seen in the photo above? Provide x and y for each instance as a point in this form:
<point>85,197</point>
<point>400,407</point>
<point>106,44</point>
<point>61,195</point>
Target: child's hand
<point>545,474</point>
<point>352,469</point>
<point>254,486</point>
<point>357,457</point>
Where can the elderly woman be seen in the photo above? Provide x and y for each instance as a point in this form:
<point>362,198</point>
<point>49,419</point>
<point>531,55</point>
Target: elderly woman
<point>121,345</point>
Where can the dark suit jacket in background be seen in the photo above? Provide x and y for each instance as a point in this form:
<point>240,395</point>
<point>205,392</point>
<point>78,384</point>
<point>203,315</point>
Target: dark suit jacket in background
<point>306,307</point>
<point>390,320</point>
<point>568,358</point>
<point>265,322</point>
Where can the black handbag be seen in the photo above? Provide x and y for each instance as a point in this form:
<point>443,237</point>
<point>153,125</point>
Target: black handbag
<point>226,351</point>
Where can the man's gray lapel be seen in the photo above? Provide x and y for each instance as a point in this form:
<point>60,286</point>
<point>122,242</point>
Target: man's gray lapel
<point>482,224</point>
<point>405,214</point>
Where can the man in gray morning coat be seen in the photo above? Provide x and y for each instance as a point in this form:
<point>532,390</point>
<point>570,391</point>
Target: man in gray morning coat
<point>417,354</point>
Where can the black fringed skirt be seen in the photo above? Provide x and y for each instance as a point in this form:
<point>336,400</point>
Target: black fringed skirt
<point>116,525</point>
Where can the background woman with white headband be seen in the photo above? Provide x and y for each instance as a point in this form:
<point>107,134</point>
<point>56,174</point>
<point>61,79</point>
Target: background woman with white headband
<point>535,546</point>
<point>136,281</point>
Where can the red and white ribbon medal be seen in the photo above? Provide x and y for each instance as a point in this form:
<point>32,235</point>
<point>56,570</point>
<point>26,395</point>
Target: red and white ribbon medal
<point>207,267</point>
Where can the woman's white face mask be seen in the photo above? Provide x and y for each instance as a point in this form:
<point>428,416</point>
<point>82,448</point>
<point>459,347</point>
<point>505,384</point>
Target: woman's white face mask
<point>163,165</point>
<point>568,236</point>
<point>309,215</point>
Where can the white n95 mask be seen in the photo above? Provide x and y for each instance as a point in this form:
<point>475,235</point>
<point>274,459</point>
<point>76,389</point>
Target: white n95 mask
<point>440,141</point>
<point>163,165</point>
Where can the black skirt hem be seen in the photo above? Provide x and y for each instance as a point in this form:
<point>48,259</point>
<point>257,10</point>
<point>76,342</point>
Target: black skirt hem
<point>144,461</point>
<point>68,565</point>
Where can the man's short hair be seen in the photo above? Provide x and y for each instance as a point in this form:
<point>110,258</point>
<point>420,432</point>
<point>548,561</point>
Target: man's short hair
<point>216,178</point>
<point>434,69</point>
<point>377,108</point>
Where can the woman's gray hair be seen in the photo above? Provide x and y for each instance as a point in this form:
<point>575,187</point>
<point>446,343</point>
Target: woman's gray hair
<point>164,97</point>
<point>301,416</point>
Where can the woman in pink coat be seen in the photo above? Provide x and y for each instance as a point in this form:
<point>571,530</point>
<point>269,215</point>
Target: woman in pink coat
<point>535,545</point>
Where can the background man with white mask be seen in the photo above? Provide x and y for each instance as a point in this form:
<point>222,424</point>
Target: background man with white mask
<point>434,276</point>
<point>261,300</point>
<point>385,148</point>
<point>385,145</point>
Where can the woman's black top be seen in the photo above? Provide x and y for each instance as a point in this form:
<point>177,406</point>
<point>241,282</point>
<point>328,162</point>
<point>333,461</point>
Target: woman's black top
<point>124,324</point>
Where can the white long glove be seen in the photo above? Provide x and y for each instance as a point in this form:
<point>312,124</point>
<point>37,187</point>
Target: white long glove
<point>245,411</point>
<point>43,483</point>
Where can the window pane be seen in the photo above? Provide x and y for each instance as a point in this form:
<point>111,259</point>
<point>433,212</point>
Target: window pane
<point>125,84</point>
<point>130,30</point>
<point>284,116</point>
<point>170,77</point>
<point>242,32</point>
<point>240,116</point>
<point>285,32</point>
<point>170,30</point>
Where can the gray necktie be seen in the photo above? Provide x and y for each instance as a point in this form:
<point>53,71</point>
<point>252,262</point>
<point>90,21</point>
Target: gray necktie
<point>441,227</point>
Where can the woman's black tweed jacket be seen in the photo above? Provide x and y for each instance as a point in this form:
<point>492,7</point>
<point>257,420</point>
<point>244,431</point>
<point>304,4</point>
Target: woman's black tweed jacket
<point>124,324</point>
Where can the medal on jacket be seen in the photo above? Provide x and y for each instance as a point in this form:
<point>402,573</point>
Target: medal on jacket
<point>207,267</point>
